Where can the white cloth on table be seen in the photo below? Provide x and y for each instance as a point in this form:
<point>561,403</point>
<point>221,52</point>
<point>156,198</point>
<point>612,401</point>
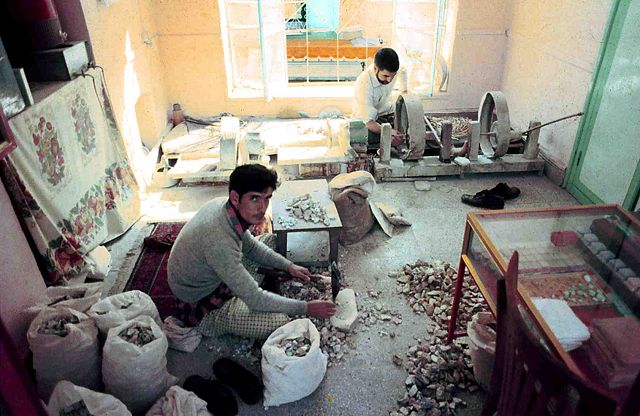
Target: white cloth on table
<point>563,322</point>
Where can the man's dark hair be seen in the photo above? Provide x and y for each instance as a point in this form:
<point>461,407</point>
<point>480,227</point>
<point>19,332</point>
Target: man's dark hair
<point>252,178</point>
<point>387,59</point>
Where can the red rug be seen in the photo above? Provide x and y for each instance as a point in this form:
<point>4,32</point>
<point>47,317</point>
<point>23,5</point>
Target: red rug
<point>150,272</point>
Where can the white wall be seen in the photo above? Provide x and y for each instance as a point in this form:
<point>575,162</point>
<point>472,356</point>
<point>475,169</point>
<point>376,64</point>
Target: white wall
<point>478,55</point>
<point>550,58</point>
<point>21,284</point>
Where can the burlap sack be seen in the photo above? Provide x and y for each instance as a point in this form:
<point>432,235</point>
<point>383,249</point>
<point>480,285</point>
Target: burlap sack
<point>353,207</point>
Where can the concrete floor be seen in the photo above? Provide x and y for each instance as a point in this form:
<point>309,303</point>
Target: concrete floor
<point>365,381</point>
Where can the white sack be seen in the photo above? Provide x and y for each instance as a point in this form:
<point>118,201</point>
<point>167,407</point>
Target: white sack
<point>74,357</point>
<point>78,297</point>
<point>179,402</point>
<point>66,394</point>
<point>136,375</point>
<point>181,338</point>
<point>287,379</point>
<point>118,309</point>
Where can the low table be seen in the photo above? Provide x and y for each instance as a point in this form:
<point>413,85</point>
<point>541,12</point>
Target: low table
<point>319,190</point>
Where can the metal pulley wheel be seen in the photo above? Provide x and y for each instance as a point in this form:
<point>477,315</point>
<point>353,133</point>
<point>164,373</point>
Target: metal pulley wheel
<point>410,121</point>
<point>494,134</point>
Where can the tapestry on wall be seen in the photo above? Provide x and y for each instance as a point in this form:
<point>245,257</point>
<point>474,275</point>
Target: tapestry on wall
<point>70,178</point>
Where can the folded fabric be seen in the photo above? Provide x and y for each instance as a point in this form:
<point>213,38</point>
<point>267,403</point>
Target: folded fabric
<point>565,325</point>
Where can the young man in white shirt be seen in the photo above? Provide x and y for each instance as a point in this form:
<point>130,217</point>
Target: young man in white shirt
<point>373,103</point>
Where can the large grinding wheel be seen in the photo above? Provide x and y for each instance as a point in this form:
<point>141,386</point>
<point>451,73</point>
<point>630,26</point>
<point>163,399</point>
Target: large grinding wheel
<point>497,143</point>
<point>410,121</point>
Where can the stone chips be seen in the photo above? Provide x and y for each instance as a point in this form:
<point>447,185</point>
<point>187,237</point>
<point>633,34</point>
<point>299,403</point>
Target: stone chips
<point>138,335</point>
<point>298,347</point>
<point>437,372</point>
<point>309,209</point>
<point>57,326</point>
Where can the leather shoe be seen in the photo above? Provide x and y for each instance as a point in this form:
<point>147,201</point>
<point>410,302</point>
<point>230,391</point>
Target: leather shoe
<point>505,191</point>
<point>244,382</point>
<point>220,400</point>
<point>484,199</point>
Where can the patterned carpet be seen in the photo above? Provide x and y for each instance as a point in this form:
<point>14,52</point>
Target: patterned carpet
<point>150,272</point>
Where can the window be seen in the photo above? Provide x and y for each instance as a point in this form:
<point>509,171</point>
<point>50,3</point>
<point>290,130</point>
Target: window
<point>272,45</point>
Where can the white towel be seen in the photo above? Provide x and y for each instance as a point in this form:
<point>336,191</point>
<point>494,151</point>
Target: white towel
<point>565,325</point>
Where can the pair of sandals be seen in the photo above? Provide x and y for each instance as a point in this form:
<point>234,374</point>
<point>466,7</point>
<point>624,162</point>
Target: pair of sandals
<point>492,198</point>
<point>219,398</point>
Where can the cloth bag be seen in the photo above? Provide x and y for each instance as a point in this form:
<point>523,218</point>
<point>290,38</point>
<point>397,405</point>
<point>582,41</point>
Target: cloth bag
<point>137,375</point>
<point>74,357</point>
<point>179,402</point>
<point>118,309</point>
<point>180,337</point>
<point>352,205</point>
<point>350,193</point>
<point>290,378</point>
<point>79,297</point>
<point>66,394</point>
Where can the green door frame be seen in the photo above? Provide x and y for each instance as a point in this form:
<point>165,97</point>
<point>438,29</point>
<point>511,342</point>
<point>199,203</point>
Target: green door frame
<point>611,37</point>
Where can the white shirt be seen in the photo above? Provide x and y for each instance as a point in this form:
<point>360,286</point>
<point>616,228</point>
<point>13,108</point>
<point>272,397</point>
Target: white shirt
<point>372,99</point>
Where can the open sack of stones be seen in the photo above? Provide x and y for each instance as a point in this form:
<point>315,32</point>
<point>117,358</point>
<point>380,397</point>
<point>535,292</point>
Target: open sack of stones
<point>118,309</point>
<point>65,346</point>
<point>179,402</point>
<point>68,399</point>
<point>293,365</point>
<point>134,365</point>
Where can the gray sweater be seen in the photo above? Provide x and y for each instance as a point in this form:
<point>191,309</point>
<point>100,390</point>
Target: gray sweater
<point>208,252</point>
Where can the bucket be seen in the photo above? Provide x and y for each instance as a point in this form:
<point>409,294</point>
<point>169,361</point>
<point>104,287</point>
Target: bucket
<point>482,346</point>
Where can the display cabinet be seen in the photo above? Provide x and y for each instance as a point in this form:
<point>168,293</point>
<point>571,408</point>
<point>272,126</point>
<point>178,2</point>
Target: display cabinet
<point>586,256</point>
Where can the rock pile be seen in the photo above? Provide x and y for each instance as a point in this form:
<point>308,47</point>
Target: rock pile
<point>334,343</point>
<point>309,209</point>
<point>138,335</point>
<point>57,326</point>
<point>437,372</point>
<point>296,347</point>
<point>428,287</point>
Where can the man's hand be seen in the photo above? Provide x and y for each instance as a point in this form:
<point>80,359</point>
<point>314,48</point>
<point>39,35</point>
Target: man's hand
<point>300,273</point>
<point>397,138</point>
<point>321,309</point>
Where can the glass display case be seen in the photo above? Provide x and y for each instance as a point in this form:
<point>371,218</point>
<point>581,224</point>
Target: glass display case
<point>585,259</point>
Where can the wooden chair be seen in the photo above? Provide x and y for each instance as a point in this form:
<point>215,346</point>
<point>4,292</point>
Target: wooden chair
<point>527,379</point>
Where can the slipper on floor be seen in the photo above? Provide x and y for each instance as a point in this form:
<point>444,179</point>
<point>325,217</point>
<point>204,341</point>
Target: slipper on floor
<point>505,191</point>
<point>484,199</point>
<point>244,382</point>
<point>220,400</point>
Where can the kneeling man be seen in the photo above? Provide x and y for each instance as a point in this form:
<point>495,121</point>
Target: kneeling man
<point>216,292</point>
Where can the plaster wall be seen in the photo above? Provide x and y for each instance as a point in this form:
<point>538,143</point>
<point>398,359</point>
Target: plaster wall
<point>375,18</point>
<point>550,60</point>
<point>122,35</point>
<point>21,284</point>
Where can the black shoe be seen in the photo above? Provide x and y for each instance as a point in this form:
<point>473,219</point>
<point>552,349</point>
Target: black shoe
<point>505,191</point>
<point>220,400</point>
<point>484,199</point>
<point>244,382</point>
